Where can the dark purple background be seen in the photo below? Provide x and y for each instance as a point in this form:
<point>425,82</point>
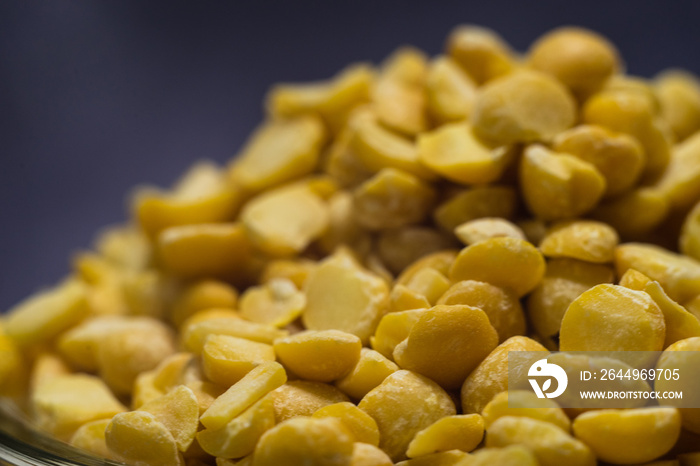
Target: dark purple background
<point>98,96</point>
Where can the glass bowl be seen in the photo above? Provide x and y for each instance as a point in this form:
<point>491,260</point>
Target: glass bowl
<point>23,445</point>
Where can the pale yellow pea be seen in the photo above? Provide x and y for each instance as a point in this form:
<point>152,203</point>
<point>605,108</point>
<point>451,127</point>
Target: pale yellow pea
<point>220,250</point>
<point>582,239</point>
<point>113,296</point>
<point>525,403</point>
<point>322,356</point>
<point>139,345</point>
<point>205,391</point>
<point>12,367</point>
<point>512,455</point>
<point>443,458</point>
<point>304,440</point>
<point>126,246</point>
<point>95,269</point>
<point>614,318</point>
<point>635,84</point>
<point>440,261</point>
<point>46,367</point>
<point>391,199</point>
<point>632,112</point>
<point>398,95</point>
<point>144,390</point>
<point>375,265</point>
<point>79,345</point>
<point>455,152</point>
<point>525,106</point>
<point>502,307</point>
<point>534,228</point>
<point>227,359</point>
<point>294,270</point>
<point>140,439</point>
<point>403,298</point>
<point>693,306</point>
<point>401,247</point>
<point>438,335</point>
<point>194,335</point>
<point>342,162</point>
<point>169,372</point>
<point>551,445</point>
<point>481,52</point>
<point>333,99</point>
<point>284,221</point>
<point>459,432</point>
<point>681,356</point>
<point>278,303</point>
<point>690,235</point>
<point>376,147</point>
<point>178,411</point>
<point>303,398</point>
<point>634,214</point>
<point>581,59</point>
<point>256,384</point>
<point>477,230</point>
<point>563,282</point>
<point>147,293</point>
<point>429,283</point>
<point>202,295</point>
<point>362,427</point>
<point>634,280</point>
<point>679,275</point>
<point>203,195</point>
<point>487,260</point>
<point>491,376</point>
<point>278,151</point>
<point>474,203</point>
<point>629,436</point>
<point>680,324</point>
<point>364,454</point>
<point>45,315</point>
<point>343,229</point>
<point>69,401</point>
<point>404,404</point>
<point>618,157</point>
<point>450,91</point>
<point>557,186</point>
<point>370,371</point>
<point>239,437</point>
<point>679,97</point>
<point>393,329</point>
<point>366,297</point>
<point>91,437</point>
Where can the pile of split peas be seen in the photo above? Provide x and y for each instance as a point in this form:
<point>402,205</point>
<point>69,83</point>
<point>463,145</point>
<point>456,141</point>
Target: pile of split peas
<point>347,290</point>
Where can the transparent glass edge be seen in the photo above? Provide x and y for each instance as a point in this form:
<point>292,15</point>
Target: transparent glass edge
<point>23,445</point>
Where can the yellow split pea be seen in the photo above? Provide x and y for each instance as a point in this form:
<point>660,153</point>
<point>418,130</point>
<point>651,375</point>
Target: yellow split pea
<point>347,291</point>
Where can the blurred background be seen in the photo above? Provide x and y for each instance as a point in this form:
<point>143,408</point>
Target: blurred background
<point>99,96</point>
